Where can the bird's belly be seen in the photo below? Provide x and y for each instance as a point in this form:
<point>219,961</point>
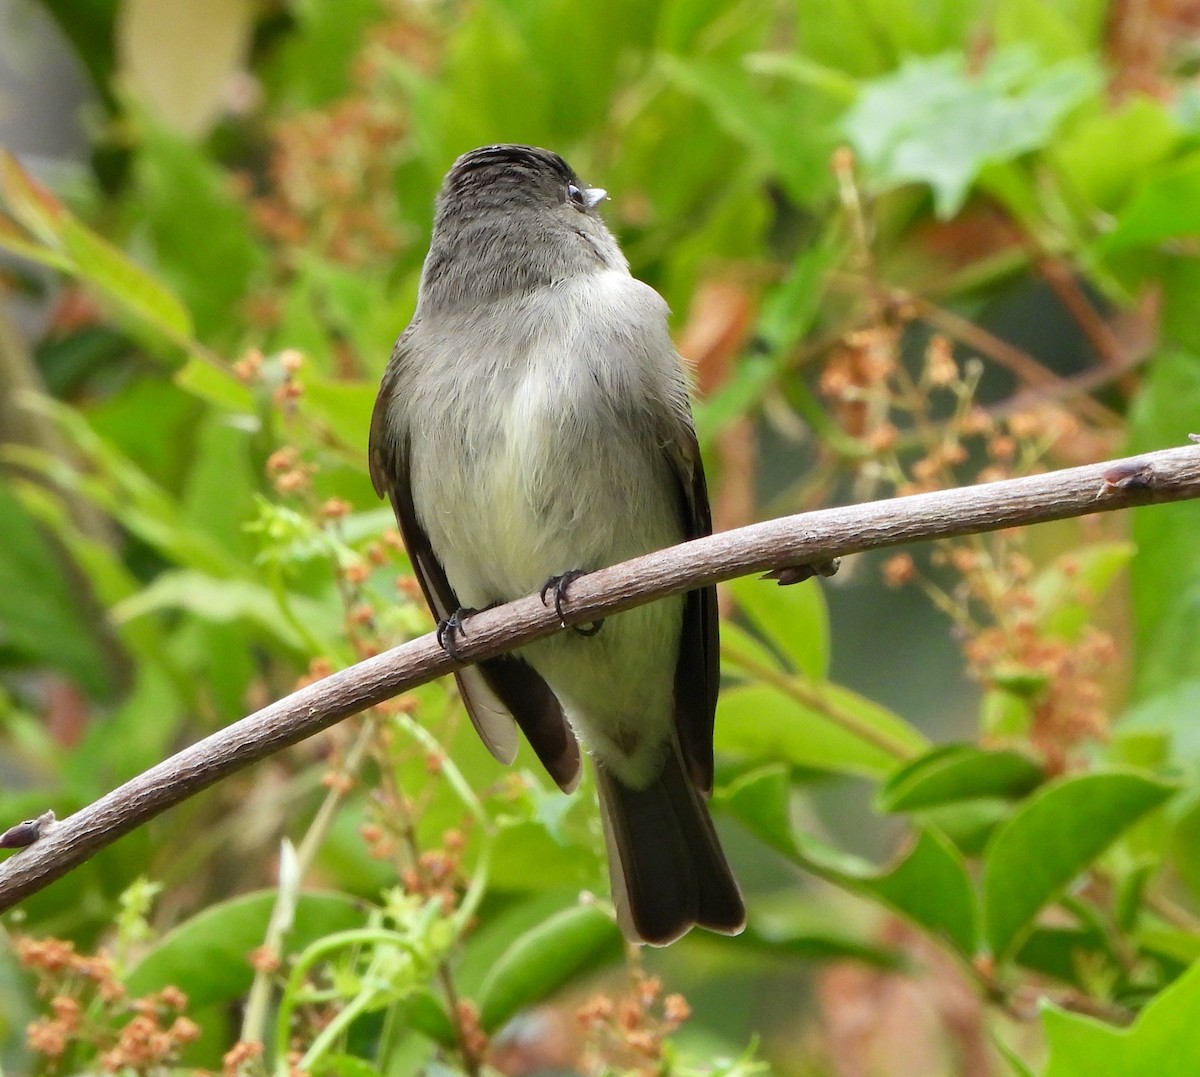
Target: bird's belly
<point>539,495</point>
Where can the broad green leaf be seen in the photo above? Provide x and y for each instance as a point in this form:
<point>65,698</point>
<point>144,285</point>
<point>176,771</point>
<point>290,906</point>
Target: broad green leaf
<point>1167,205</point>
<point>772,130</point>
<point>40,616</point>
<point>1174,944</point>
<point>528,857</point>
<point>424,1011</point>
<point>311,65</point>
<point>107,267</point>
<point>793,620</point>
<point>540,961</point>
<point>1165,578</point>
<point>14,240</point>
<point>968,824</point>
<point>1185,829</point>
<point>343,407</point>
<point>29,202</point>
<point>1180,283</point>
<point>1162,1041</point>
<point>864,39</point>
<point>737,395</point>
<point>761,801</point>
<point>506,922</point>
<point>832,729</point>
<point>121,487</point>
<point>957,772</point>
<point>93,258</point>
<point>1017,1064</point>
<point>928,883</point>
<point>742,653</point>
<point>1063,953</point>
<point>1052,838</point>
<point>1055,30</point>
<point>213,599</point>
<point>220,482</point>
<point>1162,728</point>
<point>789,311</point>
<point>779,947</point>
<point>215,384</point>
<point>207,956</point>
<point>1102,157</point>
<point>931,122</point>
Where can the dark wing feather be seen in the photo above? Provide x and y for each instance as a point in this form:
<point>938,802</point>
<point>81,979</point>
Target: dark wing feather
<point>496,691</point>
<point>698,670</point>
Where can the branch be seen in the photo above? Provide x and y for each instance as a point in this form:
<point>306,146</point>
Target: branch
<point>1167,475</point>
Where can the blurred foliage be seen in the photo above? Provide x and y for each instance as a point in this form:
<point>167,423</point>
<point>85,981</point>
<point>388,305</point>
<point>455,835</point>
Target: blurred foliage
<point>868,218</point>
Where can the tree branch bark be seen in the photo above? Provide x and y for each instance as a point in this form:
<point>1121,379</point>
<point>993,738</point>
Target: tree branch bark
<point>1167,475</point>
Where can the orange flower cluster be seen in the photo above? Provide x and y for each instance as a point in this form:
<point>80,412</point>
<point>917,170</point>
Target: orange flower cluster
<point>920,430</point>
<point>91,1015</point>
<point>631,1032</point>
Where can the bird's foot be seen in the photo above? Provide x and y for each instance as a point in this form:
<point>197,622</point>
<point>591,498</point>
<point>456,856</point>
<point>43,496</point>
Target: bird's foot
<point>790,574</point>
<point>560,585</point>
<point>451,628</point>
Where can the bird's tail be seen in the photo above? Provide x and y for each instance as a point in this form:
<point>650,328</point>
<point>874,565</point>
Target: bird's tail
<point>667,868</point>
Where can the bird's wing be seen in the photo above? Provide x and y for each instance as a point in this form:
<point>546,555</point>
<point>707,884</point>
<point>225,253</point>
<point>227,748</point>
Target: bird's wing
<point>698,670</point>
<point>496,691</point>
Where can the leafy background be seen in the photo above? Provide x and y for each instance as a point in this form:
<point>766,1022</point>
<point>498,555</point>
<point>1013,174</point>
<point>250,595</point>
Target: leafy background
<point>908,245</point>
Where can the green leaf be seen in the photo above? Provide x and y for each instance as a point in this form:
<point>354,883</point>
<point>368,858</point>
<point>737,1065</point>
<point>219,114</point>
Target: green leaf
<point>540,961</point>
<point>1017,1064</point>
<point>40,617</point>
<point>794,620</point>
<point>928,884</point>
<point>956,772</point>
<point>1165,580</point>
<point>202,235</point>
<point>1054,30</point>
<point>344,407</point>
<point>213,599</point>
<point>14,240</point>
<point>207,956</point>
<point>1102,157</point>
<point>1052,838</point>
<point>762,722</point>
<point>218,385</point>
<point>312,62</point>
<point>1162,1041</point>
<point>93,258</point>
<point>968,824</point>
<point>743,653</point>
<point>931,122</point>
<point>1168,205</point>
<point>1064,953</point>
<point>774,131</point>
<point>761,801</point>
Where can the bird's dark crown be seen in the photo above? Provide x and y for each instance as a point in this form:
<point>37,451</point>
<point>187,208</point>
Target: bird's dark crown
<point>509,159</point>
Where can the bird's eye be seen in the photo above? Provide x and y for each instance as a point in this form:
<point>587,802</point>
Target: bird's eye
<point>576,197</point>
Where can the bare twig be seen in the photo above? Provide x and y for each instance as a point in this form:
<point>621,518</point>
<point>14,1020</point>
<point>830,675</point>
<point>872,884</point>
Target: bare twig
<point>1167,475</point>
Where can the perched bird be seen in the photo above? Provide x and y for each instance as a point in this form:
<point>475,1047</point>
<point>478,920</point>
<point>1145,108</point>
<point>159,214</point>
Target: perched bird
<point>532,425</point>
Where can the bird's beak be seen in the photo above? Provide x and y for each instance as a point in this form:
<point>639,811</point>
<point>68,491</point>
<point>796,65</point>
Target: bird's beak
<point>593,196</point>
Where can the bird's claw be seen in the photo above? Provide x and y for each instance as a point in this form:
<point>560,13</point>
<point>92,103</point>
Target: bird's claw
<point>451,628</point>
<point>560,585</point>
<point>791,574</point>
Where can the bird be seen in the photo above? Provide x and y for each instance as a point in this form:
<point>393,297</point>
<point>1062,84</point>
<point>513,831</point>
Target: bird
<point>533,424</point>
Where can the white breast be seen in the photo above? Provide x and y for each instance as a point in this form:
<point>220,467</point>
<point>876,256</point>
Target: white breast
<point>541,460</point>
